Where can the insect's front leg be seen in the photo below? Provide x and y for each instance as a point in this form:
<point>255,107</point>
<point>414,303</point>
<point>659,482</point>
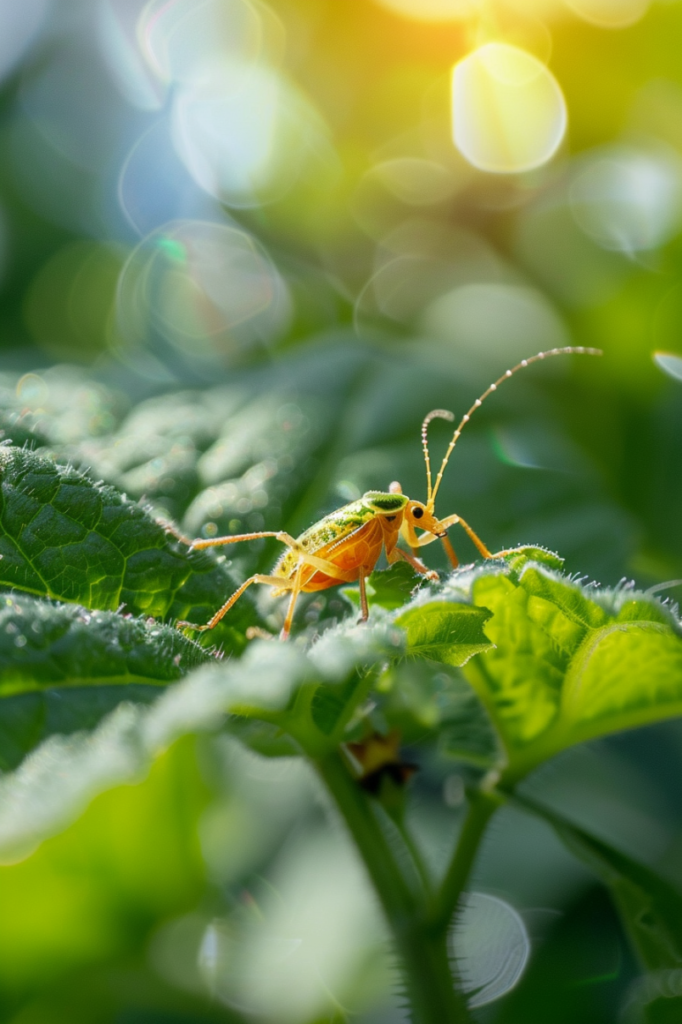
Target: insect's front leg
<point>475,539</point>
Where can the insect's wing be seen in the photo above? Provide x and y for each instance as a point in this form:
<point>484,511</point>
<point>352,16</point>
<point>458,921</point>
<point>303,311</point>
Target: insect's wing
<point>324,537</point>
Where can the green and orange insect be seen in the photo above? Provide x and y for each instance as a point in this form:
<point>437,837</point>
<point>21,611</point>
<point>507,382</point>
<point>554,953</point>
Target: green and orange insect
<point>345,546</point>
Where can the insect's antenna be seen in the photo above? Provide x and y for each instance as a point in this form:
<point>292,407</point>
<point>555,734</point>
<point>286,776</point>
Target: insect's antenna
<point>568,350</point>
<point>435,414</point>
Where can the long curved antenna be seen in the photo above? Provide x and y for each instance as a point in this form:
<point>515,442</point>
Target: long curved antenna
<point>568,350</point>
<point>435,414</point>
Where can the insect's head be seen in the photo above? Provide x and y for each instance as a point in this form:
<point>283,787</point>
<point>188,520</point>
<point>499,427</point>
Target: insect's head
<point>419,515</point>
<point>444,414</point>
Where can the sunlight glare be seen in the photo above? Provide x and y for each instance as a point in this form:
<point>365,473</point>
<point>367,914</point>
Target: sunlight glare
<point>433,10</point>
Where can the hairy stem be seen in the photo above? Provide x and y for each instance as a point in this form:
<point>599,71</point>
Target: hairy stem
<point>482,806</point>
<point>422,949</point>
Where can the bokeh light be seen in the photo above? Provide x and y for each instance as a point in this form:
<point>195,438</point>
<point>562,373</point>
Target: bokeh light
<point>70,303</point>
<point>494,322</point>
<point>182,40</point>
<point>207,289</point>
<point>629,199</point>
<point>434,10</point>
<point>509,114</point>
<point>493,947</point>
<point>610,13</point>
<point>243,133</point>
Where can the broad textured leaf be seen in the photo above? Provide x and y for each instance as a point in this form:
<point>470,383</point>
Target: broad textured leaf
<point>65,537</point>
<point>570,662</point>
<point>388,588</point>
<point>445,631</point>
<point>45,644</point>
<point>63,668</point>
<point>344,662</point>
<point>283,693</point>
<point>422,698</point>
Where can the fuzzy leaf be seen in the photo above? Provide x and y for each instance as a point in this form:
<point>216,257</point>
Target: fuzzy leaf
<point>62,668</point>
<point>388,588</point>
<point>45,644</point>
<point>570,663</point>
<point>445,631</point>
<point>65,537</point>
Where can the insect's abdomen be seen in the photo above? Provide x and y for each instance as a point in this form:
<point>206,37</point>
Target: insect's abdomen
<point>361,549</point>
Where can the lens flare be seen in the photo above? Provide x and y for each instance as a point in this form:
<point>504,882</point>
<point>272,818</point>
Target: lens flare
<point>244,133</point>
<point>182,39</point>
<point>610,13</point>
<point>627,199</point>
<point>492,946</point>
<point>433,10</point>
<point>207,289</point>
<point>509,114</point>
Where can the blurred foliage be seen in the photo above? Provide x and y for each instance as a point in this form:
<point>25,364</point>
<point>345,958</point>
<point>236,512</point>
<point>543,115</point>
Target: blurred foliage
<point>240,258</point>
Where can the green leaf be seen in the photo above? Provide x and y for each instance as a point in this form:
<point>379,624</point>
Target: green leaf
<point>65,537</point>
<point>423,699</point>
<point>388,588</point>
<point>570,663</point>
<point>45,644</point>
<point>445,631</point>
<point>344,663</point>
<point>56,782</point>
<point>63,668</point>
<point>650,909</point>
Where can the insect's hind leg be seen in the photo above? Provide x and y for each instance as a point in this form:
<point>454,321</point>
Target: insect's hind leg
<point>272,581</point>
<point>235,538</point>
<point>295,591</point>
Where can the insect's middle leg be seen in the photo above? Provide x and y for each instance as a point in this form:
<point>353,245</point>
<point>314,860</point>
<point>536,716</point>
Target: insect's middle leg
<point>364,606</point>
<point>398,555</point>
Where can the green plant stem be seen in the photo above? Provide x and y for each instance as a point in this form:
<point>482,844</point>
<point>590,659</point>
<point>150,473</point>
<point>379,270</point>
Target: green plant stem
<point>417,858</point>
<point>482,806</point>
<point>422,949</point>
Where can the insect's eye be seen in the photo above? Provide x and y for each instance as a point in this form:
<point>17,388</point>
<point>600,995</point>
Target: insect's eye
<point>418,513</point>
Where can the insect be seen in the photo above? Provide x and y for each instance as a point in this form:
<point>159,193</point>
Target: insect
<point>345,546</point>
